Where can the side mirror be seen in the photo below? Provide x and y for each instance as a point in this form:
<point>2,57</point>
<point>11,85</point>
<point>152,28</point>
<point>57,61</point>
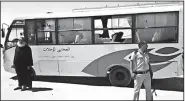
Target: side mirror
<point>8,28</point>
<point>3,30</point>
<point>3,33</point>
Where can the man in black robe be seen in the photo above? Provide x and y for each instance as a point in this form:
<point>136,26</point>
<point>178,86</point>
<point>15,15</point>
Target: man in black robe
<point>22,63</point>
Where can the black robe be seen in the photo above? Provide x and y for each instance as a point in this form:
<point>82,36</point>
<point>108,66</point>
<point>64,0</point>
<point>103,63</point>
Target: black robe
<point>23,56</point>
<point>22,59</point>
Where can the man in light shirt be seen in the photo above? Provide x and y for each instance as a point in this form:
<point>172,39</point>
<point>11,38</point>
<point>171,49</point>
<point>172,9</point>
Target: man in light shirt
<point>140,67</point>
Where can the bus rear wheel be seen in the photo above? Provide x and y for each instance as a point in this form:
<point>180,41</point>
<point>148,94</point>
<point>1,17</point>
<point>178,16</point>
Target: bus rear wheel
<point>120,76</point>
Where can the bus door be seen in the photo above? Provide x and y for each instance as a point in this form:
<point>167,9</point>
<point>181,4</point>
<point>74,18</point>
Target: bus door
<point>41,38</point>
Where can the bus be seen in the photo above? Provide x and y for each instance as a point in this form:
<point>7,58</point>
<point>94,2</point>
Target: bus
<point>99,42</point>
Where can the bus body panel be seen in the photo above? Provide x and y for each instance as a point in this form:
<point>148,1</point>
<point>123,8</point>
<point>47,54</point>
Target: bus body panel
<point>87,60</point>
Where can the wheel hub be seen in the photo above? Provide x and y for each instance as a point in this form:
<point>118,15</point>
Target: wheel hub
<point>120,76</point>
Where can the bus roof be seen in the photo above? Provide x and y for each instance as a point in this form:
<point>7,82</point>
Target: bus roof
<point>110,11</point>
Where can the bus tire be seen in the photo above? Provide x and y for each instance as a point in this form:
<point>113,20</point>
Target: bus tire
<point>119,76</point>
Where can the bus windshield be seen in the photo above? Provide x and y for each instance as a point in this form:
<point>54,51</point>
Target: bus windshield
<point>16,30</point>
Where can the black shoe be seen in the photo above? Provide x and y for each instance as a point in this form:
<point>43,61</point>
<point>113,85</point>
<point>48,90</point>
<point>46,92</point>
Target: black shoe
<point>19,87</point>
<point>29,88</point>
<point>24,88</point>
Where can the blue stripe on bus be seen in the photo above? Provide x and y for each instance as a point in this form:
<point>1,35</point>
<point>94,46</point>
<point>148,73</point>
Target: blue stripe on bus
<point>99,66</point>
<point>167,50</point>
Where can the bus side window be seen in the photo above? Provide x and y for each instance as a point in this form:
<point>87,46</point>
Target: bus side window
<point>46,32</point>
<point>30,25</point>
<point>74,31</point>
<point>163,29</point>
<point>114,29</point>
<point>86,37</point>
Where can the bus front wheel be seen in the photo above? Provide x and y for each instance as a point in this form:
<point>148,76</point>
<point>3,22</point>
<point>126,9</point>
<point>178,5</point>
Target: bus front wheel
<point>119,76</point>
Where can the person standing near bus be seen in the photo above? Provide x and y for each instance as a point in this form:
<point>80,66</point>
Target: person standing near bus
<point>141,71</point>
<point>22,64</point>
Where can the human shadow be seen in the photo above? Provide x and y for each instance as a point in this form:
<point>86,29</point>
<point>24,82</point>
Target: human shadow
<point>37,89</point>
<point>171,84</point>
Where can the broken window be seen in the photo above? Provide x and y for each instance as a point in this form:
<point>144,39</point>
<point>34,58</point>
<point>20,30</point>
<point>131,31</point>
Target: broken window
<point>114,29</point>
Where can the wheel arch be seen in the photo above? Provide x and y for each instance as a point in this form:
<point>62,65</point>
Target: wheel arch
<point>115,66</point>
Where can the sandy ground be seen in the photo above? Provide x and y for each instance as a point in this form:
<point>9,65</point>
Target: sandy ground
<point>68,91</point>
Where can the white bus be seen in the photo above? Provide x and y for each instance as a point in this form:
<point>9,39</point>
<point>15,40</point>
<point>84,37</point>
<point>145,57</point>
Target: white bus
<point>99,42</point>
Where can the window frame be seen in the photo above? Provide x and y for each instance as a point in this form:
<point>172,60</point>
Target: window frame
<point>57,31</point>
<point>132,28</point>
<point>73,29</point>
<point>176,26</point>
<point>26,30</point>
<point>123,28</point>
<point>46,43</point>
